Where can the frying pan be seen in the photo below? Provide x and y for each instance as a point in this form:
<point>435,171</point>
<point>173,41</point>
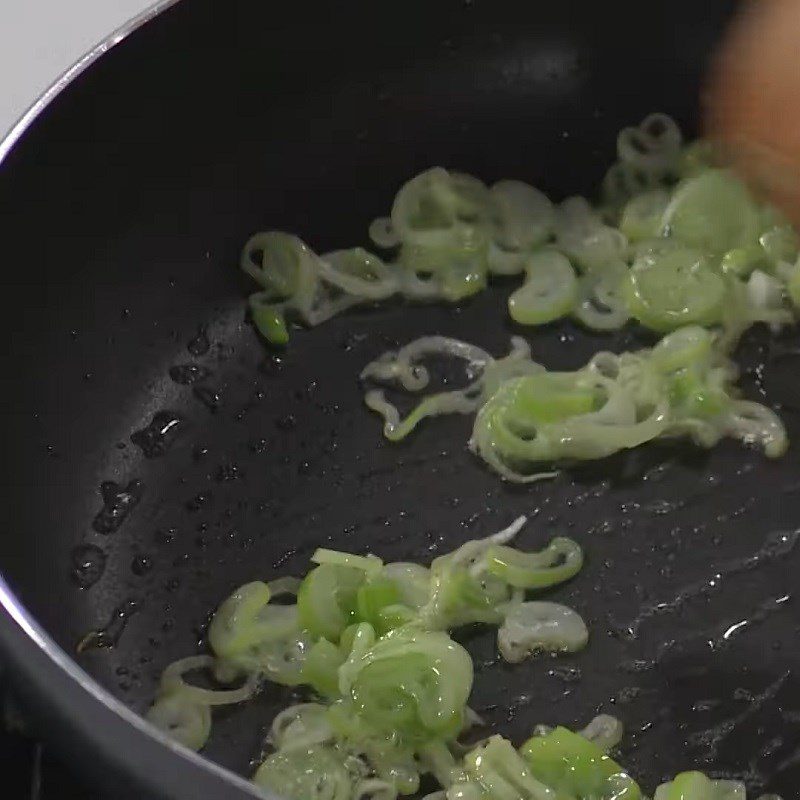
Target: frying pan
<point>125,200</point>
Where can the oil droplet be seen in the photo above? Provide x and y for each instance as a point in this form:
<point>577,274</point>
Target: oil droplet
<point>209,397</point>
<point>157,437</point>
<point>198,501</point>
<point>118,502</point>
<point>200,345</point>
<point>88,565</point>
<point>141,565</point>
<point>566,674</point>
<point>109,635</point>
<point>272,366</point>
<point>188,374</point>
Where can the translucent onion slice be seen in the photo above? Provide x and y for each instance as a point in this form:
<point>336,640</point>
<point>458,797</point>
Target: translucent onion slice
<point>524,216</point>
<point>696,786</point>
<point>187,722</point>
<point>668,290</point>
<point>601,302</point>
<point>712,212</point>
<point>313,774</point>
<point>549,292</point>
<point>538,626</point>
<point>359,272</point>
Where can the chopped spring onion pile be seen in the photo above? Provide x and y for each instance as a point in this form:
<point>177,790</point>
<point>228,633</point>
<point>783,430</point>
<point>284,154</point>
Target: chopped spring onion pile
<point>371,642</point>
<point>675,241</point>
<point>390,687</point>
<point>528,418</point>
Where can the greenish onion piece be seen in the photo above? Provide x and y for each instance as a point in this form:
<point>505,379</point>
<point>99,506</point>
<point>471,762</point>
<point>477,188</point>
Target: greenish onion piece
<point>462,590</point>
<point>269,318</point>
<point>403,365</point>
<point>359,272</point>
<point>383,234</point>
<point>277,261</point>
<point>369,564</point>
<point>300,727</point>
<point>313,774</point>
<point>487,375</point>
<point>559,561</point>
<point>604,731</point>
<point>584,238</point>
<point>766,299</point>
<point>675,288</point>
<point>653,147</point>
<point>524,216</point>
<point>413,682</point>
<point>757,425</point>
<point>250,635</point>
<point>357,641</point>
<point>554,416</point>
<point>394,764</point>
<point>321,667</point>
<point>436,757</point>
<point>682,348</point>
<point>576,767</point>
<point>712,212</point>
<point>540,626</point>
<point>413,581</point>
<point>780,244</point>
<point>395,428</point>
<point>182,719</point>
<point>448,272</point>
<point>549,291</point>
<point>502,261</point>
<point>641,217</point>
<point>326,600</point>
<point>438,208</point>
<point>696,786</point>
<point>503,774</point>
<point>172,682</point>
<point>621,183</point>
<point>245,619</point>
<point>601,302</point>
<point>741,261</point>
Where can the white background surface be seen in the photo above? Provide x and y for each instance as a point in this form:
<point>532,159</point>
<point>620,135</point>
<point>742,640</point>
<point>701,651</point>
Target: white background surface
<point>39,39</point>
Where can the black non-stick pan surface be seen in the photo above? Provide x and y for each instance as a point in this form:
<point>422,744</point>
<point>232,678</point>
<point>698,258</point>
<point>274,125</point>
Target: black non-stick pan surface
<point>123,212</point>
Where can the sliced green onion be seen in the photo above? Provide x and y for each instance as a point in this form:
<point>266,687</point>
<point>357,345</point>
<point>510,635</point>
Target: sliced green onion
<point>537,626</point>
<point>712,212</point>
<point>641,217</point>
<point>313,774</point>
<point>326,601</point>
<point>502,774</point>
<point>524,215</point>
<point>696,786</point>
<point>183,720</point>
<point>413,682</point>
<point>577,767</point>
<point>558,562</point>
<point>675,288</point>
<point>321,667</point>
<point>549,291</point>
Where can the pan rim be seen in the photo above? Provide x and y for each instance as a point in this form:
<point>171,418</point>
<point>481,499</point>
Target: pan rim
<point>12,607</point>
